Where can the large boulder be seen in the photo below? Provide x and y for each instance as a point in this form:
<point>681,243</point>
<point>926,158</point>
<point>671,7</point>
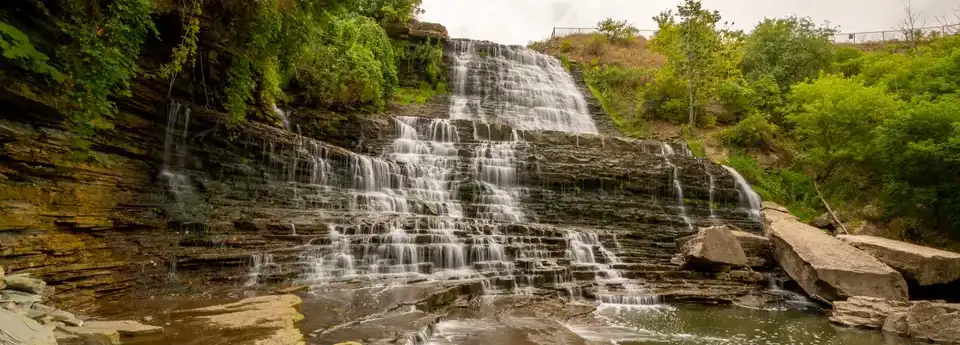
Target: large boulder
<point>16,329</point>
<point>923,265</point>
<point>827,267</point>
<point>23,282</point>
<point>756,247</point>
<point>938,322</point>
<point>865,312</point>
<point>714,247</point>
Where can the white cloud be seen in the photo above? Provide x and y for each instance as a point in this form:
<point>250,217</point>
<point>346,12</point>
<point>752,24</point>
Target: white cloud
<point>522,21</point>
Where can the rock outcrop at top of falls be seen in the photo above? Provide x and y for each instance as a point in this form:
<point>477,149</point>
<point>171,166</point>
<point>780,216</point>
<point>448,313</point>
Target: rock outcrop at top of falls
<point>827,267</point>
<point>922,265</point>
<point>515,185</point>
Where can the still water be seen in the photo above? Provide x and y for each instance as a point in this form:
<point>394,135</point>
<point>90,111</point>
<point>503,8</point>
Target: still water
<point>697,324</point>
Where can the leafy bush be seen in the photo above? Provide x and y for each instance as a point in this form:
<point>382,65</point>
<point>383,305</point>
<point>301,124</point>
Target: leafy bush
<point>16,47</point>
<point>833,120</point>
<point>366,75</point>
<point>102,58</point>
<point>754,132</point>
<point>597,45</point>
<point>919,157</point>
<point>618,31</point>
<point>789,50</point>
<point>617,89</point>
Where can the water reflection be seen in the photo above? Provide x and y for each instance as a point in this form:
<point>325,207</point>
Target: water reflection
<point>695,324</point>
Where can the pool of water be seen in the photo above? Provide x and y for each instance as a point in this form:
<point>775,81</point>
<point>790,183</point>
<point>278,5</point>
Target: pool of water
<point>697,324</point>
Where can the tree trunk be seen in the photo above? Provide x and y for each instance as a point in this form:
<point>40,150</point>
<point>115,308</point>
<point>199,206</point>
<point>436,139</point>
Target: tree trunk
<point>692,117</point>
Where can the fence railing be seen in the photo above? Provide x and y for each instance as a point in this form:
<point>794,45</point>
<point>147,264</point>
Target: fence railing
<point>848,37</point>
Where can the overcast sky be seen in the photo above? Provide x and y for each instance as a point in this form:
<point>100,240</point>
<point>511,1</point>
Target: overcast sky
<point>522,21</point>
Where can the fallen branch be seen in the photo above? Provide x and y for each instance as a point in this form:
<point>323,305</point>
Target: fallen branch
<point>835,219</point>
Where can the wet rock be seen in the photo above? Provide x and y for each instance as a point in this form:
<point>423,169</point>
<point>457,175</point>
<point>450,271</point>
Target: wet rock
<point>824,221</point>
<point>87,336</point>
<point>126,328</point>
<point>937,322</point>
<point>865,312</point>
<point>749,277</point>
<point>714,248</point>
<point>827,267</point>
<point>19,330</point>
<point>275,318</point>
<point>23,282</point>
<point>923,265</point>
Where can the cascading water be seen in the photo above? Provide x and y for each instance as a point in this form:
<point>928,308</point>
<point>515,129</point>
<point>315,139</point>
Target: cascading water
<point>746,192</point>
<point>582,250</point>
<point>175,148</point>
<point>258,262</point>
<point>515,86</point>
<point>495,166</point>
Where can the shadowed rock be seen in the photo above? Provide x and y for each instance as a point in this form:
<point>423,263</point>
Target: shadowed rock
<point>827,267</point>
<point>938,322</point>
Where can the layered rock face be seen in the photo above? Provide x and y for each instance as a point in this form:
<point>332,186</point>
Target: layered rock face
<point>515,187</point>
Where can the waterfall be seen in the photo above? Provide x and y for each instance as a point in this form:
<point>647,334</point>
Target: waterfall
<point>175,148</point>
<point>582,249</point>
<point>711,180</point>
<point>495,166</point>
<point>515,86</point>
<point>746,192</point>
<point>678,190</point>
<point>257,263</point>
<point>283,116</point>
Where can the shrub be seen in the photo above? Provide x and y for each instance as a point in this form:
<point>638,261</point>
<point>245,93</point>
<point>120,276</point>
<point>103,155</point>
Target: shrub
<point>834,120</point>
<point>16,47</point>
<point>618,31</point>
<point>754,132</point>
<point>597,45</point>
<point>788,49</point>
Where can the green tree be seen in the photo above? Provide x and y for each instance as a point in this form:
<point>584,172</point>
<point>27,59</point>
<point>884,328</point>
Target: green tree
<point>833,121</point>
<point>919,157</point>
<point>697,50</point>
<point>617,31</point>
<point>788,49</point>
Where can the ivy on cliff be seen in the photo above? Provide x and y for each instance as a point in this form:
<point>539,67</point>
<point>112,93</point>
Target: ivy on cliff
<point>332,52</point>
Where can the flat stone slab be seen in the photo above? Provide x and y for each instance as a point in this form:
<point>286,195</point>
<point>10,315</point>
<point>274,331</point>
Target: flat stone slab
<point>126,328</point>
<point>18,329</point>
<point>924,265</point>
<point>827,267</point>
